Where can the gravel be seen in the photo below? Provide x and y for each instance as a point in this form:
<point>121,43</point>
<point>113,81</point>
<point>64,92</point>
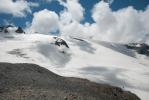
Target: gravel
<point>32,82</point>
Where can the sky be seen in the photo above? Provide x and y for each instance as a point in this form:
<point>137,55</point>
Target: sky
<point>108,20</point>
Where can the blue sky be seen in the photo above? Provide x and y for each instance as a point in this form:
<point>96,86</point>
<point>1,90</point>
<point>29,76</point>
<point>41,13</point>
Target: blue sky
<point>55,6</point>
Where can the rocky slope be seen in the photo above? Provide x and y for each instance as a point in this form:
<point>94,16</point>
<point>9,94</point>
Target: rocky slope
<point>32,82</point>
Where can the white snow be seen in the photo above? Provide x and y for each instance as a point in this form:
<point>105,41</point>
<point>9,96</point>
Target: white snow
<point>100,62</point>
<point>11,29</point>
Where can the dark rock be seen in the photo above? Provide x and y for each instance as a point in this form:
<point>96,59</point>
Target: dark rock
<point>144,49</point>
<point>5,29</point>
<point>78,39</point>
<point>140,48</point>
<point>7,26</point>
<point>20,30</point>
<point>60,42</point>
<point>1,28</point>
<point>32,82</point>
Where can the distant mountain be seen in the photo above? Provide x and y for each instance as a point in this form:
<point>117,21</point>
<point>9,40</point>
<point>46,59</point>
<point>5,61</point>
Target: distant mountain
<point>98,61</point>
<point>11,29</point>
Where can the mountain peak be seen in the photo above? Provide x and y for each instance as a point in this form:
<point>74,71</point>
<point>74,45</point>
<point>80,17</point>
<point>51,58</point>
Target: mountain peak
<point>11,29</point>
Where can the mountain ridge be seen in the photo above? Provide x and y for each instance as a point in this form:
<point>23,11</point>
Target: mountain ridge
<point>83,59</point>
<point>29,81</point>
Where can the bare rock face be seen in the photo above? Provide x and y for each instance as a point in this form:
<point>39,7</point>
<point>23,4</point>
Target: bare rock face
<point>32,82</point>
<point>140,48</point>
<point>60,42</point>
<point>20,30</point>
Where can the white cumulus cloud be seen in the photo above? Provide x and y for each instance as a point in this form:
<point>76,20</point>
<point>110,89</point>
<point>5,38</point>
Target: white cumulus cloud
<point>17,8</point>
<point>73,8</point>
<point>44,22</point>
<point>125,25</point>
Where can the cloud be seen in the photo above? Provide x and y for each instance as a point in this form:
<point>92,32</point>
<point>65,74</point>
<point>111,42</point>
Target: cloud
<point>125,25</point>
<point>70,17</point>
<point>44,21</point>
<point>33,4</point>
<point>73,8</point>
<point>76,29</point>
<point>108,1</point>
<point>17,8</point>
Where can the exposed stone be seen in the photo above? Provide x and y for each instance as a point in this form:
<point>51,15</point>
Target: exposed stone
<point>32,82</point>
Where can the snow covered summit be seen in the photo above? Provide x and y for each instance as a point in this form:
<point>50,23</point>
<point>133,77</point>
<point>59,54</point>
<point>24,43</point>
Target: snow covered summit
<point>11,29</point>
<point>98,61</point>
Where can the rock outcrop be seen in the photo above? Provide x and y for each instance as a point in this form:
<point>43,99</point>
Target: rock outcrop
<point>140,48</point>
<point>60,42</point>
<point>11,29</point>
<point>20,30</point>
